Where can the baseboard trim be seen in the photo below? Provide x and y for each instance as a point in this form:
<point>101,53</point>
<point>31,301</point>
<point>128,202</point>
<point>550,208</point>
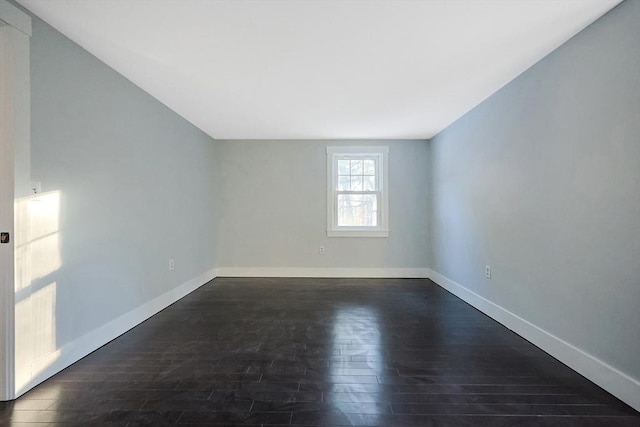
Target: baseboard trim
<point>407,273</point>
<point>79,348</point>
<point>609,378</point>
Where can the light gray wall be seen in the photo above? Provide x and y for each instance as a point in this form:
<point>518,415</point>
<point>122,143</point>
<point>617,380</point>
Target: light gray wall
<point>273,207</point>
<point>135,181</point>
<point>542,182</point>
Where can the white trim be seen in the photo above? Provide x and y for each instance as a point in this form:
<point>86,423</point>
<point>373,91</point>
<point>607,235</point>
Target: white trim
<point>609,378</point>
<point>357,149</point>
<point>7,195</point>
<point>405,273</point>
<point>15,30</point>
<point>15,17</point>
<point>358,233</point>
<point>79,348</point>
<point>382,176</point>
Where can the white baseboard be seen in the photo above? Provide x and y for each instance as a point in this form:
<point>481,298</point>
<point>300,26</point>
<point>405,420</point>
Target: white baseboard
<point>617,383</point>
<point>407,273</point>
<point>609,378</point>
<point>79,348</point>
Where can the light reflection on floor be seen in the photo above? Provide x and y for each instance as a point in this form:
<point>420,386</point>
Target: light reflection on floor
<point>357,332</point>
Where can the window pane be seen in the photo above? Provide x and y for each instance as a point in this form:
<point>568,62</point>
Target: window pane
<point>369,167</point>
<point>344,167</point>
<point>344,183</point>
<point>357,210</point>
<point>356,183</point>
<point>356,167</point>
<point>369,183</point>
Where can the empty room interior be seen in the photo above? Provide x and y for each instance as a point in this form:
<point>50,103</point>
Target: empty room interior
<point>320,213</point>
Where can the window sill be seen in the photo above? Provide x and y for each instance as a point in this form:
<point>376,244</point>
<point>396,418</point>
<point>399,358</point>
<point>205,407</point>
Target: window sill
<point>357,233</point>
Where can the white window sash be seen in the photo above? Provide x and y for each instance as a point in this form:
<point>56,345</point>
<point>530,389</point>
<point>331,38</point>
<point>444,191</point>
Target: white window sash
<point>379,155</point>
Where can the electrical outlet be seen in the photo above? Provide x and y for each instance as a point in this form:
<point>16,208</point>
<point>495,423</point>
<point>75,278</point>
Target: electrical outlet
<point>321,250</point>
<point>487,271</point>
<point>172,264</point>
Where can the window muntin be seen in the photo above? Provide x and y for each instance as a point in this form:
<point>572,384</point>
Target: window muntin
<point>357,191</point>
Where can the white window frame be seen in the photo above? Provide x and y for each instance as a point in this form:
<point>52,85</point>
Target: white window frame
<point>381,154</point>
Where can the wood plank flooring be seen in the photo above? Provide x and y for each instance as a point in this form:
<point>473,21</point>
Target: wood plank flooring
<point>318,352</point>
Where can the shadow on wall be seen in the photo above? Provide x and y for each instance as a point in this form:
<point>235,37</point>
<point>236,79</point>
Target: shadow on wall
<point>38,258</point>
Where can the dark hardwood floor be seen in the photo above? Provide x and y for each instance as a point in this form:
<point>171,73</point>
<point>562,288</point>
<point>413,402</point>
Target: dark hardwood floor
<point>319,352</point>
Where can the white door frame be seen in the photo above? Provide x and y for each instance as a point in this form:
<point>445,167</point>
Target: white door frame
<point>15,29</point>
<point>6,223</point>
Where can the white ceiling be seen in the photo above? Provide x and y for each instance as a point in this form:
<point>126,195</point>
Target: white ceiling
<point>320,69</point>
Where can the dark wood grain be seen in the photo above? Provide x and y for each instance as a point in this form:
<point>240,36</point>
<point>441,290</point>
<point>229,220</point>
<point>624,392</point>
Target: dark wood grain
<point>319,352</point>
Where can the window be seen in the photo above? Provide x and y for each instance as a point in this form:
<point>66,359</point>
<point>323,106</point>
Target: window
<point>357,187</point>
